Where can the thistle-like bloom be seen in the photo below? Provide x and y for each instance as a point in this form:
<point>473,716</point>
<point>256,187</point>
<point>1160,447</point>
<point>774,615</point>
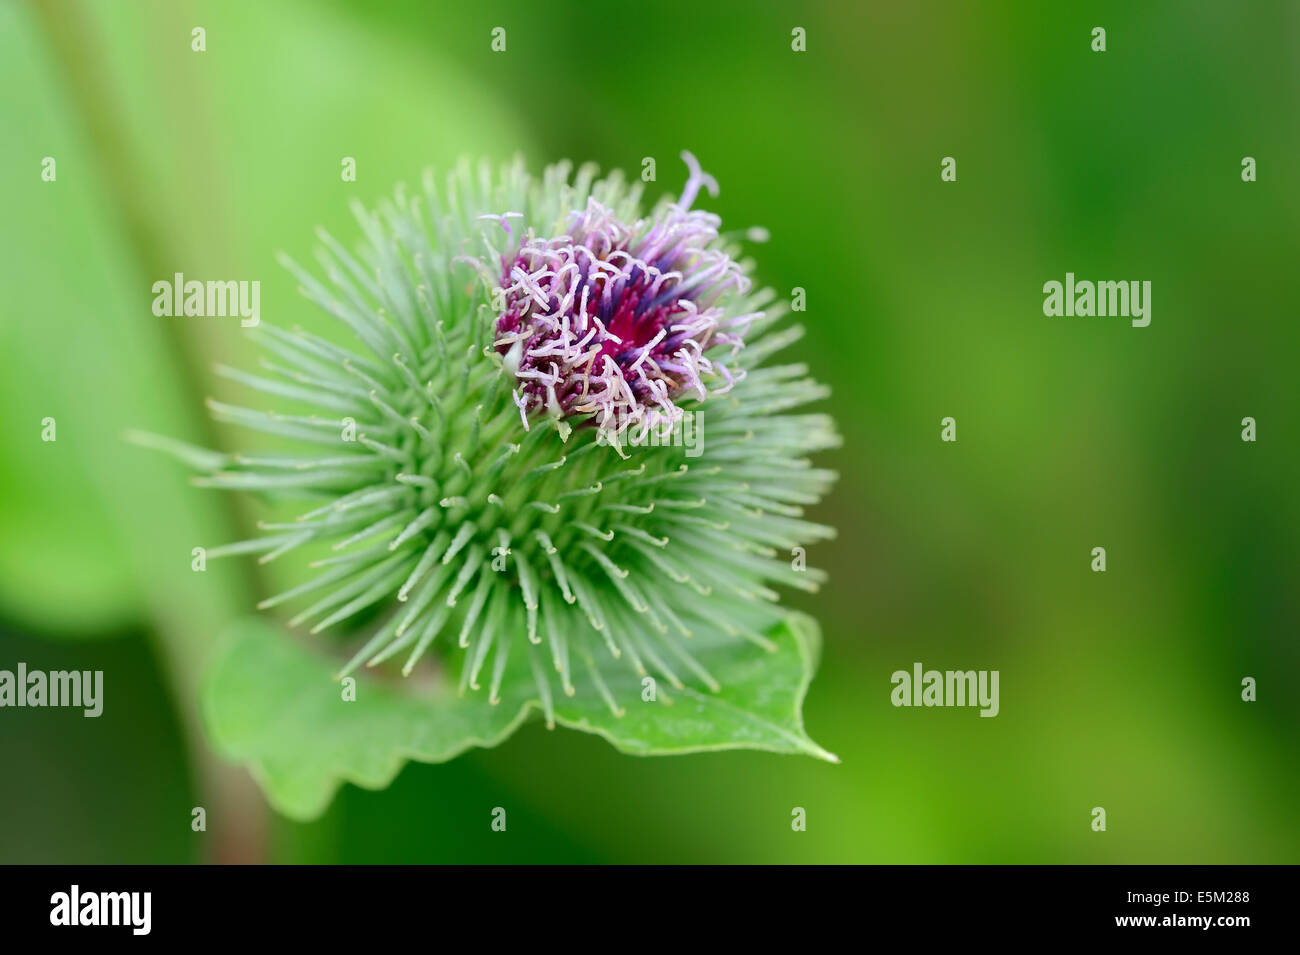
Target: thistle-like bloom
<point>614,319</point>
<point>477,473</point>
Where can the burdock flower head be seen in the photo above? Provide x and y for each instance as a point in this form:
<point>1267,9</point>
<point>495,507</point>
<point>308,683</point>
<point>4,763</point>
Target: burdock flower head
<point>615,319</point>
<point>559,457</point>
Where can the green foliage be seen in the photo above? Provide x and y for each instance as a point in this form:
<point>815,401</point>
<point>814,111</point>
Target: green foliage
<point>275,705</point>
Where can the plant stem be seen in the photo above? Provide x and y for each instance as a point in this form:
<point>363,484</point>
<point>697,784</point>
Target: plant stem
<point>236,812</point>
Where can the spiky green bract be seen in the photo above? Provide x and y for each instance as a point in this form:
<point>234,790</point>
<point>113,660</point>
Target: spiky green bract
<point>479,533</point>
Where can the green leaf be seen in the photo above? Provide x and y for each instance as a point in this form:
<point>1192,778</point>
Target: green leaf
<point>275,705</point>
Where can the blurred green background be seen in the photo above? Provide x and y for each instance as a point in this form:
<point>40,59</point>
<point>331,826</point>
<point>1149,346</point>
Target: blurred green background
<point>1119,690</point>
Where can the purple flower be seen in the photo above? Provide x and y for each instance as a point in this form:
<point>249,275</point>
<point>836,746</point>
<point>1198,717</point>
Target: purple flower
<point>618,320</point>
